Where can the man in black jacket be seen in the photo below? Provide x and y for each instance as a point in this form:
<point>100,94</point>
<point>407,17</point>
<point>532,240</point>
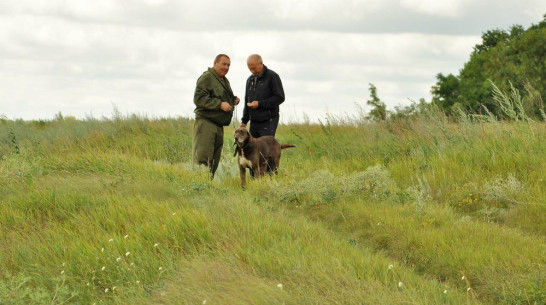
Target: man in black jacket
<point>263,95</point>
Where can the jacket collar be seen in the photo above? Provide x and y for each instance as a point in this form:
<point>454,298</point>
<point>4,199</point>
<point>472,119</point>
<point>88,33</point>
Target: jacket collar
<point>261,73</point>
<point>211,70</point>
<point>223,81</point>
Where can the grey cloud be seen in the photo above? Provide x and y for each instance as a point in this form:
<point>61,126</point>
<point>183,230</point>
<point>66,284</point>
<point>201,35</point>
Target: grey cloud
<point>145,56</point>
<point>330,16</point>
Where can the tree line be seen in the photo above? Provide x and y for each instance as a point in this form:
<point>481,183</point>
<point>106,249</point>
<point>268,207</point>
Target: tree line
<point>509,61</point>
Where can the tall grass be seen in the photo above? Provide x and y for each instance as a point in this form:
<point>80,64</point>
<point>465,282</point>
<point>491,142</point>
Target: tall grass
<point>418,211</point>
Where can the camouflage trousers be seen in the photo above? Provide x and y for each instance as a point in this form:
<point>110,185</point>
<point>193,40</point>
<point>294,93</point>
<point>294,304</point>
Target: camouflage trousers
<point>208,139</point>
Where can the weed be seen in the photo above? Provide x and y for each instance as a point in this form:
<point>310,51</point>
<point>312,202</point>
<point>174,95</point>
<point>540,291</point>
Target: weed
<point>428,196</point>
<point>14,141</point>
<point>375,182</point>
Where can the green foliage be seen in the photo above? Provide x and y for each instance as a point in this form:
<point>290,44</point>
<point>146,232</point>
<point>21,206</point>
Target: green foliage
<point>422,108</point>
<point>510,59</point>
<point>374,182</point>
<point>21,290</point>
<point>390,212</point>
<point>379,110</point>
<point>511,106</point>
<point>492,38</point>
<point>446,91</point>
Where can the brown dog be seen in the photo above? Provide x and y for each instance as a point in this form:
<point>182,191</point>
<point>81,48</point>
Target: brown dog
<point>259,154</point>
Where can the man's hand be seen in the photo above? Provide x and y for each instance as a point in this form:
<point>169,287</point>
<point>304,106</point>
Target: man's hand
<point>253,104</point>
<point>236,101</point>
<point>243,125</point>
<point>225,106</point>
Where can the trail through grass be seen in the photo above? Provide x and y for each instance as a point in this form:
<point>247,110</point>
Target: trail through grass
<point>420,211</point>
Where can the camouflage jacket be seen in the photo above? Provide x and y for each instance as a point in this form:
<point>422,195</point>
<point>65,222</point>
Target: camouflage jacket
<point>210,92</point>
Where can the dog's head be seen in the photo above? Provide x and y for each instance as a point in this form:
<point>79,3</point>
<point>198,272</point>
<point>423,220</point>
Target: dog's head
<point>241,137</point>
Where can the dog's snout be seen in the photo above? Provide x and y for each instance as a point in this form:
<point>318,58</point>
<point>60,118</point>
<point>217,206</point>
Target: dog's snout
<point>241,136</point>
<point>238,137</point>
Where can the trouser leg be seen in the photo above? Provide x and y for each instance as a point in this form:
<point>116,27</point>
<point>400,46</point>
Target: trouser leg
<point>218,144</point>
<point>264,128</point>
<point>207,144</point>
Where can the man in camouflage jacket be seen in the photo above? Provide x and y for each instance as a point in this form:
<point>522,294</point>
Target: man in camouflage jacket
<point>214,101</point>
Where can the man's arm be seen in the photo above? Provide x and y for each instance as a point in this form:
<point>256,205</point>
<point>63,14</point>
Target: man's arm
<point>246,116</point>
<point>278,94</point>
<point>203,97</point>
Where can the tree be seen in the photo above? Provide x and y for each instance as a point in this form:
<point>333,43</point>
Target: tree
<point>516,57</point>
<point>446,91</point>
<point>490,39</point>
<point>379,110</point>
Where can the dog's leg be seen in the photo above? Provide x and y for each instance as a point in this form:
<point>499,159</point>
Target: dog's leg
<point>262,169</point>
<point>242,174</point>
<point>268,165</point>
<point>275,164</point>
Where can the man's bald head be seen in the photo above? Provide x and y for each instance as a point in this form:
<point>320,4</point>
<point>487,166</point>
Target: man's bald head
<point>255,64</point>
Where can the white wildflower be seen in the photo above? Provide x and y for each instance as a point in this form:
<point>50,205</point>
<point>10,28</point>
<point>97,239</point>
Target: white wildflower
<point>445,291</point>
<point>173,215</point>
<point>102,250</point>
<point>106,290</point>
<point>390,267</point>
<point>126,236</point>
<point>103,267</point>
<point>110,240</point>
<point>279,285</point>
<point>400,284</point>
<point>160,268</point>
<point>204,301</point>
<point>127,253</point>
<point>118,259</point>
<point>462,279</point>
<point>468,289</point>
<point>155,245</point>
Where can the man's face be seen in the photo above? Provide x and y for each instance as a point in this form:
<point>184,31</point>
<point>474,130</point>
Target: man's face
<point>222,66</point>
<point>254,67</point>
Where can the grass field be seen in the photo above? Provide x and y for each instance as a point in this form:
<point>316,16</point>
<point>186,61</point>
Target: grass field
<point>420,211</point>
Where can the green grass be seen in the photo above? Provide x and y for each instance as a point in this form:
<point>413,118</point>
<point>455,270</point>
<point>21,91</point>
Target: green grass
<point>421,211</point>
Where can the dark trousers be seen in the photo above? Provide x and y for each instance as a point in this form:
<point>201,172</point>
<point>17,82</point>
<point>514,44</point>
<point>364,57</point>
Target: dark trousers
<point>264,128</point>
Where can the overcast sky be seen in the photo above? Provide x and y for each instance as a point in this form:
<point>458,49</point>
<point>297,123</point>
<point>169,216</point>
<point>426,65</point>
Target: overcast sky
<point>84,58</point>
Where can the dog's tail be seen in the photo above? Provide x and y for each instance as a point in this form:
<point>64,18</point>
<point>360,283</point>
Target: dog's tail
<point>283,146</point>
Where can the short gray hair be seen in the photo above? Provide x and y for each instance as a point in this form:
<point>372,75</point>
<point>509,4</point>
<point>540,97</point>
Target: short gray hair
<point>256,57</point>
<point>219,56</point>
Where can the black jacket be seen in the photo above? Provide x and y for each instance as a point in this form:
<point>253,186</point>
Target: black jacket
<point>266,88</point>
